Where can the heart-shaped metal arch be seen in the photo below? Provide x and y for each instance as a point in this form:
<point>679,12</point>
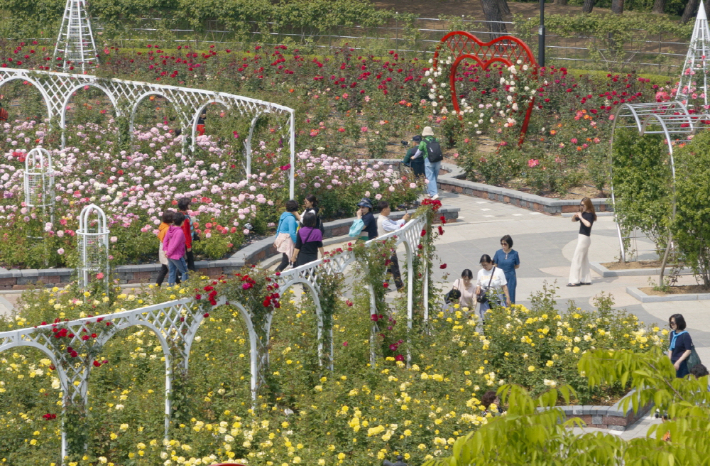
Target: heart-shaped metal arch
<point>504,49</point>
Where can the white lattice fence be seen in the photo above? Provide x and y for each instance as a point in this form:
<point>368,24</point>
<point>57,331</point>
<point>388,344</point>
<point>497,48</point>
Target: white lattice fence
<point>57,90</point>
<point>74,346</point>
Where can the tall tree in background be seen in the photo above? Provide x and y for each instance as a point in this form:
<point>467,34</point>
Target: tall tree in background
<point>659,6</point>
<point>588,6</point>
<point>560,2</point>
<point>504,8</point>
<point>494,16</point>
<point>617,6</point>
<point>690,8</point>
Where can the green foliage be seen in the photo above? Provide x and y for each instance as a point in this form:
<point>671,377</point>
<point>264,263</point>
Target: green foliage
<point>643,184</point>
<point>691,226</point>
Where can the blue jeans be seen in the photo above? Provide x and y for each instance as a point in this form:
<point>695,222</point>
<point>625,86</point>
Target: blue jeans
<point>432,174</point>
<point>175,265</point>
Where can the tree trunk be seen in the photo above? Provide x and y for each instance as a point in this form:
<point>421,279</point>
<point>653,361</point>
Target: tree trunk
<point>690,8</point>
<point>588,6</point>
<point>617,6</point>
<point>493,15</point>
<point>560,2</point>
<point>504,8</point>
<point>659,6</point>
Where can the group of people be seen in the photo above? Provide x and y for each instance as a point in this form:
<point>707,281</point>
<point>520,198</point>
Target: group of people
<point>495,283</point>
<point>176,233</point>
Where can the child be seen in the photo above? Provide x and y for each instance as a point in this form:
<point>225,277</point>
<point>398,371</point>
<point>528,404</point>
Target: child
<point>174,247</point>
<point>167,220</point>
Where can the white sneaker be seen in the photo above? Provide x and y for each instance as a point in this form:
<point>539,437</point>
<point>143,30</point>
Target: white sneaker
<point>435,196</point>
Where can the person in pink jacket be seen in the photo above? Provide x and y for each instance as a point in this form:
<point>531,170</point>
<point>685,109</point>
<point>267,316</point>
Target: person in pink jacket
<point>174,247</point>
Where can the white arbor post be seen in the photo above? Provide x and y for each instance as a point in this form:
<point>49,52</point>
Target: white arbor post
<point>92,236</point>
<point>75,44</point>
<point>694,78</point>
<point>39,180</point>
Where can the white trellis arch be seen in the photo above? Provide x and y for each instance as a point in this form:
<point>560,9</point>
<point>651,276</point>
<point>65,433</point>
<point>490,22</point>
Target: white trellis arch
<point>175,324</point>
<point>57,90</point>
<point>140,99</point>
<point>670,119</point>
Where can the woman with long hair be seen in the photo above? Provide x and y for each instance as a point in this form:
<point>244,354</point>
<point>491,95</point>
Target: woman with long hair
<point>580,273</point>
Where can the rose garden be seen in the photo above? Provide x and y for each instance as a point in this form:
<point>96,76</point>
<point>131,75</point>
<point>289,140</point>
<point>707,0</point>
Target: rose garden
<point>322,364</point>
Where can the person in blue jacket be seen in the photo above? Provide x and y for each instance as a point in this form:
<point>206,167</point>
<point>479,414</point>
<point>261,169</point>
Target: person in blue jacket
<point>286,234</point>
<point>507,259</point>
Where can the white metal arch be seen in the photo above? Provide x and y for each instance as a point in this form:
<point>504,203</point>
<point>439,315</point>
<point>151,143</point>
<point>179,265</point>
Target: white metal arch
<point>42,91</point>
<point>247,143</point>
<point>181,115</point>
<point>197,114</point>
<point>58,87</point>
<point>71,93</point>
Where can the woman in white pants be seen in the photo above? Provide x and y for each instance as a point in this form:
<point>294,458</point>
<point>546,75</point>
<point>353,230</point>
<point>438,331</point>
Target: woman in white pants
<point>579,273</point>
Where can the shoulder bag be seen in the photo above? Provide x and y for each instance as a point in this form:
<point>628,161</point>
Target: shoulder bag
<point>483,297</point>
<point>453,294</point>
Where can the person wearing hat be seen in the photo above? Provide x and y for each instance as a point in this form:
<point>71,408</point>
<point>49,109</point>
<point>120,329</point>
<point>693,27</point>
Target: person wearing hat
<point>364,213</point>
<point>430,150</point>
<point>417,164</point>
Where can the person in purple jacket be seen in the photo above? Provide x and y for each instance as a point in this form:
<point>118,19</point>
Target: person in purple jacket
<point>174,247</point>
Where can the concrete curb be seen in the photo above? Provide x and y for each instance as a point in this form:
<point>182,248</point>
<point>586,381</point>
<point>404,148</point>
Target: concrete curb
<point>606,273</point>
<point>644,298</point>
<point>148,273</point>
<point>453,182</point>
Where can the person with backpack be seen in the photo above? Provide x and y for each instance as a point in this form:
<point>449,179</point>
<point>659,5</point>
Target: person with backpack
<point>309,241</point>
<point>417,165</point>
<point>430,149</point>
<point>286,234</point>
<point>387,225</point>
<point>174,247</point>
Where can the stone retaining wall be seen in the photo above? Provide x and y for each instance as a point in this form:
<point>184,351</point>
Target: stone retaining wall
<point>148,273</point>
<point>607,417</point>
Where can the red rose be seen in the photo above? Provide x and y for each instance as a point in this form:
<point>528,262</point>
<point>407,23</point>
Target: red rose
<point>207,314</point>
<point>97,364</point>
<point>423,233</point>
<point>442,266</point>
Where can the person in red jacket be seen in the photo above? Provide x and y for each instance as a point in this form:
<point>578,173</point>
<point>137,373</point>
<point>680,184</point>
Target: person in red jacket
<point>189,229</point>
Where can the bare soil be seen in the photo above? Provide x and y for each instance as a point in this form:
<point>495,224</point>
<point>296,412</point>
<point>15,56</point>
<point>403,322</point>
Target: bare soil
<point>634,265</point>
<point>673,290</point>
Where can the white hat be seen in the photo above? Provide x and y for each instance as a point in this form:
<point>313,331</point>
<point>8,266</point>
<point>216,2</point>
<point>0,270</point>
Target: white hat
<point>427,131</point>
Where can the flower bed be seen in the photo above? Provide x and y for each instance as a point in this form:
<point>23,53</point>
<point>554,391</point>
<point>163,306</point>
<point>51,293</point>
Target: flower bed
<point>134,188</point>
<point>304,414</point>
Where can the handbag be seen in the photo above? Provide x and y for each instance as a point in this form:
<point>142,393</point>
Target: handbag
<point>356,228</point>
<point>483,298</point>
<point>693,359</point>
<point>453,294</point>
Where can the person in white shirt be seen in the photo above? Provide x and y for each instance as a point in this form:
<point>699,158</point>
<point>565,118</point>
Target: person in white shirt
<point>387,225</point>
<point>491,286</point>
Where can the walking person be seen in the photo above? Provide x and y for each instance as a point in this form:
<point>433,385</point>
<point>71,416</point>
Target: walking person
<point>430,149</point>
<point>681,345</point>
<point>286,234</point>
<point>491,286</point>
<point>166,222</point>
<point>369,224</point>
<point>309,241</point>
<point>507,259</point>
<point>174,247</point>
<point>580,273</point>
<point>189,229</point>
<point>467,288</point>
<point>386,225</point>
<point>201,123</point>
<point>417,165</point>
<point>311,204</point>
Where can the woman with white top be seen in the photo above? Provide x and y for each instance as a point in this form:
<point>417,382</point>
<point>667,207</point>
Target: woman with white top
<point>491,286</point>
<point>467,289</point>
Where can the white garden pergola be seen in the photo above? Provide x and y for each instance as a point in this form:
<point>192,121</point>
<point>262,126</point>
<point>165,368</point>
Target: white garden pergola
<point>57,90</point>
<point>175,324</point>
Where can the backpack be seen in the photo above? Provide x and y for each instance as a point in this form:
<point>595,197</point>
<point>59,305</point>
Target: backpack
<point>433,149</point>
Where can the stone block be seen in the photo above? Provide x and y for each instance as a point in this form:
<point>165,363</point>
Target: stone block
<point>596,420</point>
<point>615,421</point>
<point>20,287</point>
<point>8,281</point>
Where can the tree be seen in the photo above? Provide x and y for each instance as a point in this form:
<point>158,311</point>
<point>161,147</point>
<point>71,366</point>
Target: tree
<point>494,16</point>
<point>503,6</point>
<point>560,2</point>
<point>535,432</point>
<point>588,6</point>
<point>690,9</point>
<point>659,6</point>
<point>617,6</point>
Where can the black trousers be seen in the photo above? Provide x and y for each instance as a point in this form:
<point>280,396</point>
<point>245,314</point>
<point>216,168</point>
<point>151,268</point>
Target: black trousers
<point>190,261</point>
<point>285,260</point>
<point>394,270</point>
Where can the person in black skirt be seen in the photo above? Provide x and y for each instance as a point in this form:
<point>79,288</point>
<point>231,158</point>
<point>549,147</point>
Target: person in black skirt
<point>309,241</point>
<point>681,345</point>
